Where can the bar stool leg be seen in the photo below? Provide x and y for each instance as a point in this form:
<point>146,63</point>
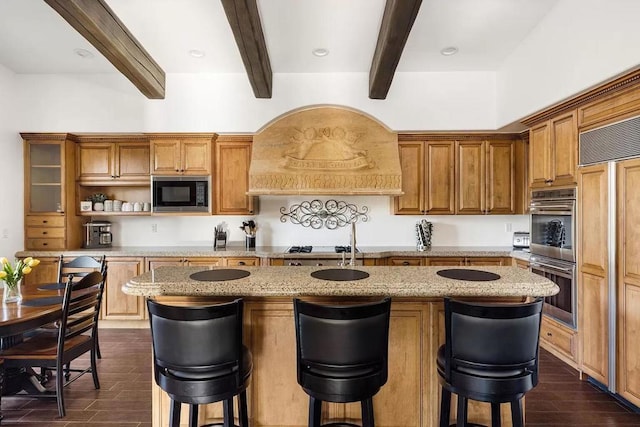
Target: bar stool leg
<point>228,413</point>
<point>445,407</point>
<point>242,409</point>
<point>315,411</point>
<point>367,413</point>
<point>516,413</point>
<point>193,415</point>
<point>461,420</point>
<point>495,415</point>
<point>174,414</point>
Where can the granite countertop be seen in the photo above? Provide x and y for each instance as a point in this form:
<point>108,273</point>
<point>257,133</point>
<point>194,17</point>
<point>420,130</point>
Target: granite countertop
<point>383,281</point>
<point>279,252</point>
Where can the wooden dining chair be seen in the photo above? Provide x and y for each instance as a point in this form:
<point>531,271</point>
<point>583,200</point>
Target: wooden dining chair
<point>75,337</point>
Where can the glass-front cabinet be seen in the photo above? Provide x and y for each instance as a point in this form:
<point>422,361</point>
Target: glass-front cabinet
<point>50,219</point>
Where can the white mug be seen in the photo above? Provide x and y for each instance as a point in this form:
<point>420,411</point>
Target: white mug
<point>137,207</point>
<point>126,207</point>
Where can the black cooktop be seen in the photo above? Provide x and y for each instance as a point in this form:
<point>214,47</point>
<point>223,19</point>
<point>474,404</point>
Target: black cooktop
<point>300,249</point>
<point>309,249</point>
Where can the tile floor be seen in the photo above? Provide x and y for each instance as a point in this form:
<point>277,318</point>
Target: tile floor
<point>124,399</point>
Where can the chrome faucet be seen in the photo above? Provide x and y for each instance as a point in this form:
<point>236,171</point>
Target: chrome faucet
<point>352,261</point>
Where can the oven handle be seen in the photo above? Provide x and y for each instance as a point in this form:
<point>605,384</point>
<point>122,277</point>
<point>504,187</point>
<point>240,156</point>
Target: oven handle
<point>564,272</point>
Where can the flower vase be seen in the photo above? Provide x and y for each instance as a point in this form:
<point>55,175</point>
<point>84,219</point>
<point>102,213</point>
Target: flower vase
<point>12,294</point>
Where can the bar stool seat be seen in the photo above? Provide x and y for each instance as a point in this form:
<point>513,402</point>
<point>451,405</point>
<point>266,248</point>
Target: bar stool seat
<point>342,354</point>
<point>199,358</point>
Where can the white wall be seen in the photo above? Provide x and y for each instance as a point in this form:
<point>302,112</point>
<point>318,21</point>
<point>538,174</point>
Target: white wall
<point>11,169</point>
<point>579,44</point>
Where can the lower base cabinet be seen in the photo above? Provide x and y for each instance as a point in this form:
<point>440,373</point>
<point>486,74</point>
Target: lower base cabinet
<point>116,305</point>
<point>559,340</point>
<point>409,399</point>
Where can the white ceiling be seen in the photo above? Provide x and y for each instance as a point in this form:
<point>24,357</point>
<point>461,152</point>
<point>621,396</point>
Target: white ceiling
<point>35,39</point>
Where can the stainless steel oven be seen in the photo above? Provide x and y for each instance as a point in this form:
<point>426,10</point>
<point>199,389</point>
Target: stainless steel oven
<point>553,217</point>
<point>561,306</point>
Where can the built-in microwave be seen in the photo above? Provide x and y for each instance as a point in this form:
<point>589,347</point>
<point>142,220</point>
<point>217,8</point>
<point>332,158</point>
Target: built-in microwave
<point>180,193</point>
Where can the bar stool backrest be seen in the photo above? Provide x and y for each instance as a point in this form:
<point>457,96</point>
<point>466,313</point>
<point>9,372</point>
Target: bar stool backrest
<point>492,339</point>
<point>342,337</point>
<point>197,342</point>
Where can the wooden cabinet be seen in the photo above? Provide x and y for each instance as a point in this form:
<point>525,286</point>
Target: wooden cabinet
<point>181,154</point>
<point>113,163</point>
<point>427,178</point>
<point>45,272</point>
<point>593,271</point>
<point>233,156</point>
<point>520,263</point>
<point>485,177</point>
<point>50,219</point>
<point>206,262</point>
<point>628,280</point>
<point>405,261</point>
<point>559,340</point>
<point>467,261</point>
<point>116,305</point>
<point>553,152</point>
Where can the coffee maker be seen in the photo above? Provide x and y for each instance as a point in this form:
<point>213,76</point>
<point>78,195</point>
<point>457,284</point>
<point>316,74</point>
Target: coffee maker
<point>97,235</point>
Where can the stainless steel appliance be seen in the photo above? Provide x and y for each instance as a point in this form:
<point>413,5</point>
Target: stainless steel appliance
<point>98,234</point>
<point>321,256</point>
<point>563,305</point>
<point>553,215</point>
<point>552,245</point>
<point>521,240</point>
<point>180,193</point>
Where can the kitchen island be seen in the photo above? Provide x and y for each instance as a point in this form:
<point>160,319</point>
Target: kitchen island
<point>410,397</point>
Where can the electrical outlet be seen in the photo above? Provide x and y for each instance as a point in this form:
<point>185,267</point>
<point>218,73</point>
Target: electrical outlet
<point>154,228</point>
<point>5,233</point>
<point>507,227</point>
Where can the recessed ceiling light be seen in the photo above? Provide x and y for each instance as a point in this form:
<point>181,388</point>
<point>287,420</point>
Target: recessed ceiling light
<point>320,52</point>
<point>196,53</point>
<point>83,53</point>
<point>448,51</point>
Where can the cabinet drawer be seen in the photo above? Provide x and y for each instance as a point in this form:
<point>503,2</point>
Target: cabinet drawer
<point>45,233</point>
<point>45,244</point>
<point>242,261</point>
<point>561,338</point>
<point>414,262</point>
<point>43,220</point>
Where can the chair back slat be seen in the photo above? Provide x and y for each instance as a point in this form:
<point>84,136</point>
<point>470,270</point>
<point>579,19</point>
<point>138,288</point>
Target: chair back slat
<point>80,307</point>
<point>79,267</point>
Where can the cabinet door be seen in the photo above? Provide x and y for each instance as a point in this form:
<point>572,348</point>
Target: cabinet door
<point>116,304</point>
<point>440,177</point>
<point>471,175</point>
<point>196,156</point>
<point>564,149</point>
<point>165,157</point>
<point>232,178</point>
<point>593,271</point>
<point>628,280</point>
<point>163,262</point>
<point>95,162</point>
<point>44,176</point>
<point>501,177</point>
<point>132,163</point>
<point>45,272</point>
<point>539,155</point>
<point>246,261</point>
<point>412,166</point>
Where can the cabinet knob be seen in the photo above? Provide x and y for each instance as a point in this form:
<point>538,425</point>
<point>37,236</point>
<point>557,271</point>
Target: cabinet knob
<point>44,221</point>
<point>113,177</point>
<point>44,232</point>
<point>549,334</point>
<point>241,263</point>
<point>406,263</point>
<point>45,244</point>
<point>177,170</point>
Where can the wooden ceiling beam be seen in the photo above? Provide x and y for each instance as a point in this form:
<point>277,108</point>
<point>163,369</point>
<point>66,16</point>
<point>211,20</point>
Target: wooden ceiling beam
<point>97,23</point>
<point>244,20</point>
<point>398,18</point>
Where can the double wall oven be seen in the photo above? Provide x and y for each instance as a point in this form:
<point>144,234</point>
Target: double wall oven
<point>553,218</point>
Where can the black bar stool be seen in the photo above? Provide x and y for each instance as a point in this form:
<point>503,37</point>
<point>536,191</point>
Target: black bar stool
<point>490,355</point>
<point>199,358</point>
<point>342,354</point>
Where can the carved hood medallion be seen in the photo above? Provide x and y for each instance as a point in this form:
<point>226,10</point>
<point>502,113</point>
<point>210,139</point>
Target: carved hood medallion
<point>325,150</point>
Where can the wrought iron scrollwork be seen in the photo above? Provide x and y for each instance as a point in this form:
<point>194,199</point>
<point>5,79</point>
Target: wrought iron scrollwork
<point>330,214</point>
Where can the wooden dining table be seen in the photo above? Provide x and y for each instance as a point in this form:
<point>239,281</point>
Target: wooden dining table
<point>16,319</point>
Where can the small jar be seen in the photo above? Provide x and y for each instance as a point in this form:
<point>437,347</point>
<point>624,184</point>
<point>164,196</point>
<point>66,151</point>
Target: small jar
<point>98,206</point>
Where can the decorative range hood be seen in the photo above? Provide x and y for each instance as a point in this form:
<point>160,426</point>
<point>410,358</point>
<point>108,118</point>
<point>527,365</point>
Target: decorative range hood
<point>325,150</point>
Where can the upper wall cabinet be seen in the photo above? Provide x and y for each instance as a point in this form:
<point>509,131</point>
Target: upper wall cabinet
<point>233,156</point>
<point>113,163</point>
<point>181,154</point>
<point>485,177</point>
<point>427,178</point>
<point>553,152</point>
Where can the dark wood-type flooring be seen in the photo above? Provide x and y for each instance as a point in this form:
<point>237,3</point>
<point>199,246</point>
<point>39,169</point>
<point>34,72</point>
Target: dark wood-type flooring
<point>124,399</point>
